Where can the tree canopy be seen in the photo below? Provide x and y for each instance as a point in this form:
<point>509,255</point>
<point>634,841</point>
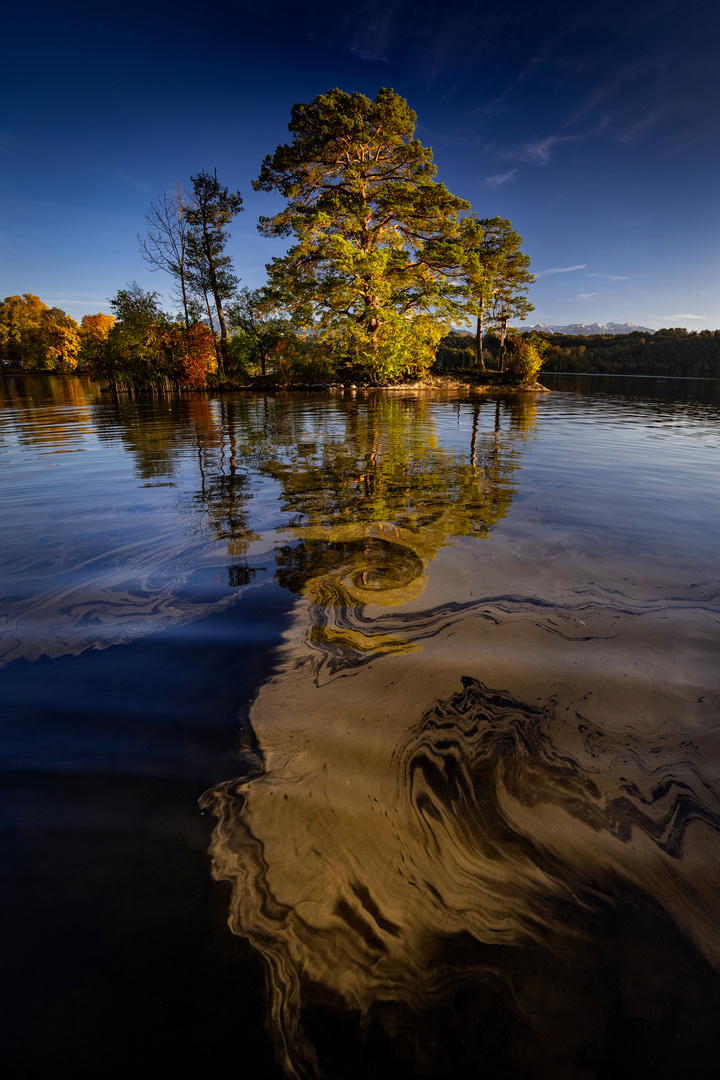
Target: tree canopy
<point>37,337</point>
<point>383,260</point>
<point>375,232</point>
<point>209,212</point>
<point>495,275</point>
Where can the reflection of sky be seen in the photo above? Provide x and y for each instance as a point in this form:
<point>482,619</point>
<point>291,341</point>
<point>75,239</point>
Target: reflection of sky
<point>523,754</point>
<point>592,126</point>
<point>125,518</point>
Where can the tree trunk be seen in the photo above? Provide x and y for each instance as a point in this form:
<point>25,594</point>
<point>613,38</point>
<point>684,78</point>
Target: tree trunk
<point>183,289</point>
<point>212,327</point>
<point>223,353</point>
<point>503,328</point>
<point>479,362</point>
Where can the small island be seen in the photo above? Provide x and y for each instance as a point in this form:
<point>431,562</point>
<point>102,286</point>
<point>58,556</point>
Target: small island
<point>385,269</point>
<point>385,263</point>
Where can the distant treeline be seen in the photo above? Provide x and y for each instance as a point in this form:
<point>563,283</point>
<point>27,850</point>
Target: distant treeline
<point>673,352</point>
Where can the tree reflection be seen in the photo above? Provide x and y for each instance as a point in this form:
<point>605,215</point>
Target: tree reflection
<point>447,874</point>
<point>351,497</point>
<point>383,481</point>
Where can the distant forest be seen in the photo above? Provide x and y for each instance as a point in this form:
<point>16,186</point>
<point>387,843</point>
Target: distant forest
<point>671,352</point>
<point>676,351</point>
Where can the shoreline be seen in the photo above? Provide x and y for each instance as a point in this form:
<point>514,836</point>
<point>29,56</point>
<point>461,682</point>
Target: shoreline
<point>450,379</point>
<point>444,380</point>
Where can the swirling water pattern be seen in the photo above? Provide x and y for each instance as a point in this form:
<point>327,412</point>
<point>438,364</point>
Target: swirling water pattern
<point>469,838</point>
<point>476,826</point>
<point>147,527</point>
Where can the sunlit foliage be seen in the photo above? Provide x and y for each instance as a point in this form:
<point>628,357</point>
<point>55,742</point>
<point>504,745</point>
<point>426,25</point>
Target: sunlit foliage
<point>671,352</point>
<point>374,256</point>
<point>495,277</point>
<point>525,359</point>
<point>94,330</point>
<point>191,354</point>
<point>133,354</point>
<point>37,337</point>
<point>261,334</point>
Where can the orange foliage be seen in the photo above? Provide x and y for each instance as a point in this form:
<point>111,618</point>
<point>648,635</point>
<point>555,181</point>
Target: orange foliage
<point>96,327</point>
<point>193,354</point>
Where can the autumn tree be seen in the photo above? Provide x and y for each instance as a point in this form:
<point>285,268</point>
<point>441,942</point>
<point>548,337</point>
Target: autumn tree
<point>495,276</point>
<point>54,343</point>
<point>374,256</point>
<point>17,315</point>
<point>191,354</point>
<point>210,210</point>
<point>37,337</point>
<point>134,354</point>
<point>94,330</point>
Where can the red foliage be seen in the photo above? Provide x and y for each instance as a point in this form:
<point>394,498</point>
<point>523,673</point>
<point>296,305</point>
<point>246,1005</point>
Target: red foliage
<point>193,354</point>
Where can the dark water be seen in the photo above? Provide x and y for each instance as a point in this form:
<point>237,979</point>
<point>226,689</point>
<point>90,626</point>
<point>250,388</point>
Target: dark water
<point>420,694</point>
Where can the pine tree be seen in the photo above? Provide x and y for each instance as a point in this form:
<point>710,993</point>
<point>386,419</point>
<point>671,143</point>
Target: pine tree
<point>496,276</point>
<point>211,209</point>
<point>375,232</point>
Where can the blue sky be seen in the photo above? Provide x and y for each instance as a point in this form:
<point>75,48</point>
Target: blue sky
<point>593,127</point>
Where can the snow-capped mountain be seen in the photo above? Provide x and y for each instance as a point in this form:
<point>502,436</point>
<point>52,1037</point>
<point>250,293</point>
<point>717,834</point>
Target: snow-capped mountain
<point>589,329</point>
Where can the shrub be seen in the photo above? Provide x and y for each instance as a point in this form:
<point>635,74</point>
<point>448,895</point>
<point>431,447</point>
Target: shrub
<point>192,353</point>
<point>524,361</point>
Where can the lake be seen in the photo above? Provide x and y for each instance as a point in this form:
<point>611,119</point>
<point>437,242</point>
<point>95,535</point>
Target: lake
<point>361,734</point>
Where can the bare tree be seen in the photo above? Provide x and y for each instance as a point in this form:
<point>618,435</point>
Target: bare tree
<point>165,245</point>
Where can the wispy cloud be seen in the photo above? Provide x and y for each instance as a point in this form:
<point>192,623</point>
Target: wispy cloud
<point>686,316</point>
<point>540,151</point>
<point>586,295</point>
<point>611,277</point>
<point>133,181</point>
<point>560,270</point>
<point>87,302</point>
<point>372,32</point>
<point>496,181</point>
<point>644,220</point>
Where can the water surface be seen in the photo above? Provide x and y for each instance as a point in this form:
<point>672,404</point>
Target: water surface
<point>442,674</point>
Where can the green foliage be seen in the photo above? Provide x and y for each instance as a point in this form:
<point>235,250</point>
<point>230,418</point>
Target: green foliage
<point>495,275</point>
<point>134,351</point>
<point>375,233</point>
<point>258,330</point>
<point>144,350</point>
<point>210,272</point>
<point>525,359</point>
<point>401,348</point>
<point>313,361</point>
<point>673,352</point>
<point>455,351</point>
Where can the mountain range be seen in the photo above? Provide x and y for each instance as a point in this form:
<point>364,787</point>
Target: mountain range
<point>589,329</point>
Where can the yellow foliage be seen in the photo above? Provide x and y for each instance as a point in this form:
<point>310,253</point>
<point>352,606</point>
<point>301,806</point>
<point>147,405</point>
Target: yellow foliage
<point>18,316</point>
<point>63,344</point>
<point>32,335</point>
<point>524,361</point>
<point>96,327</point>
